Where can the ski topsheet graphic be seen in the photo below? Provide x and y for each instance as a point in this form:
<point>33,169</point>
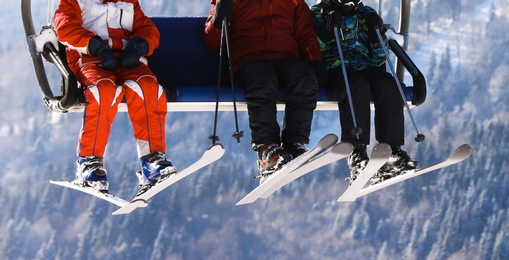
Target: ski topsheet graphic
<point>325,143</point>
<point>212,154</point>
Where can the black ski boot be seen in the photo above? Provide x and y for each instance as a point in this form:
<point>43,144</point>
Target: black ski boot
<point>399,163</point>
<point>295,149</point>
<point>357,161</point>
<point>271,157</point>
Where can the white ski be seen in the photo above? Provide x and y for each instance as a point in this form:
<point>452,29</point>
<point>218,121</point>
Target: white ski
<point>105,196</point>
<point>212,154</point>
<point>379,156</point>
<point>325,143</point>
<point>460,154</point>
<point>336,153</point>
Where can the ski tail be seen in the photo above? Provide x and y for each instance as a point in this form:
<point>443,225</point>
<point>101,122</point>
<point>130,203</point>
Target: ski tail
<point>89,190</point>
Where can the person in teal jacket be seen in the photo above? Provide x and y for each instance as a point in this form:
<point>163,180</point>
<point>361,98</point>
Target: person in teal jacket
<point>364,59</point>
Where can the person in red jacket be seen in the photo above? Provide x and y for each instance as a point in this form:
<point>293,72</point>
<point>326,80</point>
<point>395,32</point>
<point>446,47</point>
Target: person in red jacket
<point>106,45</point>
<point>273,46</point>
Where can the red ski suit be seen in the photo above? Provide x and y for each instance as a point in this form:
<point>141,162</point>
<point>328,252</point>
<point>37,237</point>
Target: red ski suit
<point>76,22</point>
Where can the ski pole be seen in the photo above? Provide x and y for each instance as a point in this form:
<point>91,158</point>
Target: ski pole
<point>214,137</point>
<point>237,134</point>
<point>357,130</point>
<point>420,137</point>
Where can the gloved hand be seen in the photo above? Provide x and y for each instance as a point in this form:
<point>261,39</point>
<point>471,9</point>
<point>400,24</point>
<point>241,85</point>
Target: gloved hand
<point>320,73</point>
<point>334,18</point>
<point>223,9</point>
<point>136,47</point>
<point>373,21</point>
<point>97,47</point>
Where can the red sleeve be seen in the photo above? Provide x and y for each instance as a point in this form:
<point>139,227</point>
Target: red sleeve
<point>211,34</point>
<point>145,28</point>
<point>69,25</point>
<point>305,33</point>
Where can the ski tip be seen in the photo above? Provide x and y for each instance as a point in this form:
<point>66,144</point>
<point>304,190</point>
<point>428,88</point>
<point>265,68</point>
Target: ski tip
<point>216,149</point>
<point>332,138</point>
<point>462,153</point>
<point>381,150</point>
<point>216,146</point>
<point>342,148</point>
<point>465,147</point>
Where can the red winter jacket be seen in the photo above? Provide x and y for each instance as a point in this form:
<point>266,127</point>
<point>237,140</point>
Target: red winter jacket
<point>76,21</point>
<point>267,30</point>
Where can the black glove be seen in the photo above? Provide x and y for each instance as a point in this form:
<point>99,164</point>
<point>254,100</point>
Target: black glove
<point>373,21</point>
<point>334,18</point>
<point>136,47</point>
<point>223,9</point>
<point>97,47</point>
<point>320,73</point>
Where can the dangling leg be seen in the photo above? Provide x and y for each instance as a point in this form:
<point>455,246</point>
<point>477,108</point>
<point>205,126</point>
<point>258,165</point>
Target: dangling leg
<point>360,91</point>
<point>301,87</point>
<point>389,123</point>
<point>103,96</point>
<point>147,108</point>
<point>262,88</point>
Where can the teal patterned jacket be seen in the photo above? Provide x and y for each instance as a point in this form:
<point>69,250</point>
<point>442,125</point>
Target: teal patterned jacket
<point>359,53</point>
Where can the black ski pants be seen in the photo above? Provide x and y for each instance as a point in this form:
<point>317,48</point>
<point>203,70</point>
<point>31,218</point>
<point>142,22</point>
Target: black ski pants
<point>374,83</point>
<point>262,81</point>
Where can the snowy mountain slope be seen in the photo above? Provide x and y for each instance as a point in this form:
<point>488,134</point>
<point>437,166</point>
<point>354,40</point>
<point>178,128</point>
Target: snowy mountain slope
<point>459,36</point>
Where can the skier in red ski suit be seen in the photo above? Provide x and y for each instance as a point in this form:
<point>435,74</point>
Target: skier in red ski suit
<point>106,45</point>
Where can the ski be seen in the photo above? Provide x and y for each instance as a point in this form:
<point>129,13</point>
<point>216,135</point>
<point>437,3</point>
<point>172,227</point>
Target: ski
<point>211,155</point>
<point>102,195</point>
<point>460,154</point>
<point>324,144</point>
<point>336,153</point>
<point>379,156</point>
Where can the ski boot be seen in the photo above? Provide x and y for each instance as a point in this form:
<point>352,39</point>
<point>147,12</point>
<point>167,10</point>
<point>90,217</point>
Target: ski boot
<point>271,157</point>
<point>154,168</point>
<point>295,149</point>
<point>90,172</point>
<point>399,163</point>
<point>357,161</point>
